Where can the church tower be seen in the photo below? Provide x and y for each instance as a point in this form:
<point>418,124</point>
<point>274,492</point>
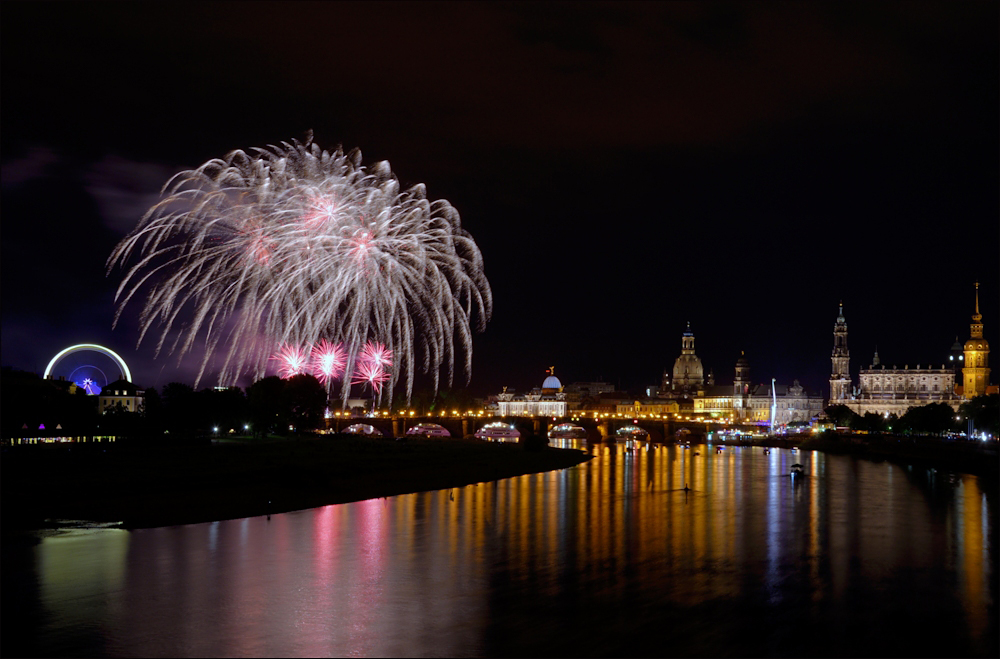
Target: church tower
<point>975,373</point>
<point>840,376</point>
<point>741,388</point>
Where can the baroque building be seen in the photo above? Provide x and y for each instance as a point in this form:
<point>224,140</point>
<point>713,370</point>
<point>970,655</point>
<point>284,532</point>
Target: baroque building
<point>887,390</point>
<point>549,400</point>
<point>688,374</point>
<point>751,403</point>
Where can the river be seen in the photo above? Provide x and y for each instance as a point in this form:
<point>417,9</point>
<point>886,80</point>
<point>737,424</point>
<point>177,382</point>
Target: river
<point>612,557</point>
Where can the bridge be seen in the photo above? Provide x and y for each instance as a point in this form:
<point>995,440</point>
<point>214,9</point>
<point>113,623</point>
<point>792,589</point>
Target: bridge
<point>659,429</point>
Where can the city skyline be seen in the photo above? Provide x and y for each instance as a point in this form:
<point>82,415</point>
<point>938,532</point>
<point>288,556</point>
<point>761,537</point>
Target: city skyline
<point>624,170</point>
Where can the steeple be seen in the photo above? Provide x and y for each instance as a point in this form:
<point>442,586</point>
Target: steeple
<point>687,341</point>
<point>840,374</point>
<point>975,370</point>
<point>977,319</point>
<point>875,361</point>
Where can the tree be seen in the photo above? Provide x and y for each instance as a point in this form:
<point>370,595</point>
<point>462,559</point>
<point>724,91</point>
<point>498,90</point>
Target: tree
<point>265,400</point>
<point>116,420</point>
<point>28,400</point>
<point>842,416</point>
<point>871,422</point>
<point>305,401</point>
<point>226,409</point>
<point>935,418</point>
<point>179,408</point>
<point>984,412</point>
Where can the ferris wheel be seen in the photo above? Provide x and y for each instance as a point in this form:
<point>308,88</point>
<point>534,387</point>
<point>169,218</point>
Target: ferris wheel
<point>84,374</point>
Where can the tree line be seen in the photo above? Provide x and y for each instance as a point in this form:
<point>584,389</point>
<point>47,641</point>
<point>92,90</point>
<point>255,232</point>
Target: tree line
<point>271,405</point>
<point>932,419</point>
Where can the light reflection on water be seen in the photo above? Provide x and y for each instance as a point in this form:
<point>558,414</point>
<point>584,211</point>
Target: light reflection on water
<point>611,557</point>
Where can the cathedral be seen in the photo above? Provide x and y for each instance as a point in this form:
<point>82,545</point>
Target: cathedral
<point>895,390</point>
<point>742,401</point>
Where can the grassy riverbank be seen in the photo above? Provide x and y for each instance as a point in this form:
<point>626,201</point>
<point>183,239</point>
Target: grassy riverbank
<point>151,485</point>
<point>959,456</point>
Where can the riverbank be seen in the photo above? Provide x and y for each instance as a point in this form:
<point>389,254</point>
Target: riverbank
<point>160,485</point>
<point>961,456</point>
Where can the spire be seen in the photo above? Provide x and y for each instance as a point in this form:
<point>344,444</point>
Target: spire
<point>876,362</point>
<point>976,329</point>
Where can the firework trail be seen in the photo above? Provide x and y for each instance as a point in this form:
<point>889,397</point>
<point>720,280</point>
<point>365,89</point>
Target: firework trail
<point>292,245</point>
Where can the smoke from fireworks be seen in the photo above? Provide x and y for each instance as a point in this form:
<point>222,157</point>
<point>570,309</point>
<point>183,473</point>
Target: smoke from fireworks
<point>294,245</point>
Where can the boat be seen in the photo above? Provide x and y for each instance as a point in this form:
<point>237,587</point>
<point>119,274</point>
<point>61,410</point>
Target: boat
<point>797,469</point>
<point>429,430</point>
<point>498,432</point>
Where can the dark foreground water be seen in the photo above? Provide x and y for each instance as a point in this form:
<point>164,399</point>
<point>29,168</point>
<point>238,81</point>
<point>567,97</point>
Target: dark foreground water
<point>611,557</point>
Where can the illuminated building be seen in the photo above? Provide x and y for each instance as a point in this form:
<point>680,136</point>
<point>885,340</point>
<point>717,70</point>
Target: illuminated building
<point>688,374</point>
<point>549,400</point>
<point>887,390</point>
<point>976,372</point>
<point>647,407</point>
<point>584,394</point>
<point>747,402</point>
<point>840,376</point>
<point>121,392</point>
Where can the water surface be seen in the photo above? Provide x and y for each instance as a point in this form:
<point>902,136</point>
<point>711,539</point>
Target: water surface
<point>612,557</point>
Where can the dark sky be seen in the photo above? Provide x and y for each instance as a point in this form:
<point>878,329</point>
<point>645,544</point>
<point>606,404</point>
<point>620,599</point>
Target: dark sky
<point>624,168</point>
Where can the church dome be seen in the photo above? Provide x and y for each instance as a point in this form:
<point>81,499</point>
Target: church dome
<point>552,382</point>
<point>688,371</point>
<point>977,344</point>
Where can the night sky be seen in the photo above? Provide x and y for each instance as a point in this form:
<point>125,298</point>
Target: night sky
<point>624,169</point>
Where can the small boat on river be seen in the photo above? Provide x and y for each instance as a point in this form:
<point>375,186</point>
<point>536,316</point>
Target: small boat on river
<point>797,470</point>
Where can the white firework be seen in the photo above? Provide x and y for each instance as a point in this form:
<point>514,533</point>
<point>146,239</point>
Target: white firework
<point>293,245</point>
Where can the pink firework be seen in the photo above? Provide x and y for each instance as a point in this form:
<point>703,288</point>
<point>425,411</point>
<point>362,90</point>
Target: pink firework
<point>320,210</point>
<point>293,360</point>
<point>376,353</point>
<point>371,373</point>
<point>328,361</point>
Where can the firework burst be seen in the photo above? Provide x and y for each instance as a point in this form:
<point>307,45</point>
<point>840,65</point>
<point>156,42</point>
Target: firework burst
<point>294,244</point>
<point>292,361</point>
<point>328,361</point>
<point>377,353</point>
<point>372,374</point>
